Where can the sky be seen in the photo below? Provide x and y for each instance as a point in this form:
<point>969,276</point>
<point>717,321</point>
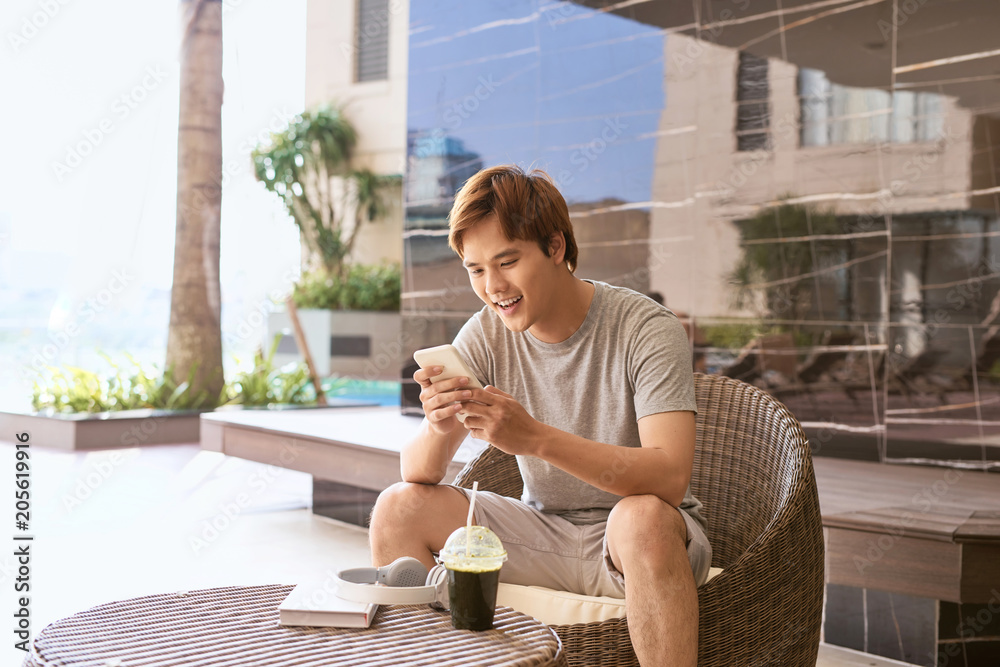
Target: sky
<point>88,179</point>
<point>544,85</point>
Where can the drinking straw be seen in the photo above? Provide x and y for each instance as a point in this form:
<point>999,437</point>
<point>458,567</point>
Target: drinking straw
<point>468,521</point>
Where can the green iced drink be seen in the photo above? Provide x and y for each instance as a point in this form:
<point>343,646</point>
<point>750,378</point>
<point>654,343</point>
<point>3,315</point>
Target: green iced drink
<point>473,560</point>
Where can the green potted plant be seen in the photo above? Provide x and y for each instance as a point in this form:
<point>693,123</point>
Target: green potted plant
<point>349,310</point>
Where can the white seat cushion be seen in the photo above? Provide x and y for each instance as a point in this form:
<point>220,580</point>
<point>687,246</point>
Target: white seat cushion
<point>562,608</point>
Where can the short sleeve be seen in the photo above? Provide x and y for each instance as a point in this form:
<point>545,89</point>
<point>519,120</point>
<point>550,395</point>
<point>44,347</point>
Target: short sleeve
<point>660,367</point>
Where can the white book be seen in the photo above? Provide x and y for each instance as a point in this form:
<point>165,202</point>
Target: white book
<point>317,605</point>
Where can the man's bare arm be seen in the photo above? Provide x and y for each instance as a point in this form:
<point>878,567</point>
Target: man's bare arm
<point>425,459</point>
<point>661,466</point>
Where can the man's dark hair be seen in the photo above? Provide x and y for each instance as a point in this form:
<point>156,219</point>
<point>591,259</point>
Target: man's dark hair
<point>528,206</point>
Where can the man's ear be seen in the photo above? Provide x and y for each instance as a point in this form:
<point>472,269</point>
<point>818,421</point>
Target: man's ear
<point>557,247</point>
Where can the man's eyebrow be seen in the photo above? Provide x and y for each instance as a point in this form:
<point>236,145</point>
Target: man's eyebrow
<point>500,255</point>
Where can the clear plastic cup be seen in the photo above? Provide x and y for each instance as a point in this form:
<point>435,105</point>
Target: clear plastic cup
<point>473,566</point>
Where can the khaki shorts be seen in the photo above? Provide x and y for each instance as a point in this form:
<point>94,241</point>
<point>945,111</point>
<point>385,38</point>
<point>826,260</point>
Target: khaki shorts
<point>547,550</point>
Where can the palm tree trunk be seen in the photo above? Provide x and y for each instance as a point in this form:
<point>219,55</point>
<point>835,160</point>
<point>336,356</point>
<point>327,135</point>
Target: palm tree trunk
<point>194,341</point>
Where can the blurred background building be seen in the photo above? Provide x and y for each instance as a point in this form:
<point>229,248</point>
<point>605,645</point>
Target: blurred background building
<point>812,187</point>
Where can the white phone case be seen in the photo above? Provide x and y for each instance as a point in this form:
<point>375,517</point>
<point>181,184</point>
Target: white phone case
<point>449,358</point>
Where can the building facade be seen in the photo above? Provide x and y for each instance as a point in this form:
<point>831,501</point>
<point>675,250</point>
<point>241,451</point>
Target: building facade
<point>819,211</point>
<point>817,200</point>
<point>356,57</point>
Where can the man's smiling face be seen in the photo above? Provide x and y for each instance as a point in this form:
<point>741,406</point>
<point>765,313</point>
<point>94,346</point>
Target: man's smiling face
<point>513,277</point>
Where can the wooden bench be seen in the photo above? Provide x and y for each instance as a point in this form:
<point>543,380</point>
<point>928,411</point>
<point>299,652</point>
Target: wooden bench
<point>912,561</point>
<point>928,532</point>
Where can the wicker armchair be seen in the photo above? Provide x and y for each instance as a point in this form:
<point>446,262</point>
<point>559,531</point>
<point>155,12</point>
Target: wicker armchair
<point>753,473</point>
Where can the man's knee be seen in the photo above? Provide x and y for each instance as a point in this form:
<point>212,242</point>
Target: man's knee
<point>402,501</point>
<point>645,525</point>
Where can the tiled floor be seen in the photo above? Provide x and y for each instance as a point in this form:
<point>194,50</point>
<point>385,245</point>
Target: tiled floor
<point>116,524</point>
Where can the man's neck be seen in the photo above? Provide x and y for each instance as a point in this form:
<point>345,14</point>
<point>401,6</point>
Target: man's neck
<point>569,310</point>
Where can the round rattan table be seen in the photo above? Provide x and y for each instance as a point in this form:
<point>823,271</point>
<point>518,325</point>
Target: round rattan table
<point>237,626</point>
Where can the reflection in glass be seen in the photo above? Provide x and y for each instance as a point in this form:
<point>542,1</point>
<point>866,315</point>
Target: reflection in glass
<point>834,114</point>
<point>824,225</point>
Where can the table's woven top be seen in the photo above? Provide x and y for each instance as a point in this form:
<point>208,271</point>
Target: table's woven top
<point>237,626</point>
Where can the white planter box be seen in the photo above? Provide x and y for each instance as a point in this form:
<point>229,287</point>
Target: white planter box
<point>355,343</point>
<point>135,428</point>
<point>105,430</point>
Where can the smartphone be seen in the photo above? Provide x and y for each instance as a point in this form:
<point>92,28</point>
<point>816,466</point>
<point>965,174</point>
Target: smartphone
<point>449,358</point>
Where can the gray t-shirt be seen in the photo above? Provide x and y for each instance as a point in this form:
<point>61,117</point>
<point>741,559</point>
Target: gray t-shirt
<point>629,359</point>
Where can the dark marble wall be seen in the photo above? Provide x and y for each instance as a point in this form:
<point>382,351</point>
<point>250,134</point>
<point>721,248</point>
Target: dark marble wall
<point>914,630</point>
<point>818,199</point>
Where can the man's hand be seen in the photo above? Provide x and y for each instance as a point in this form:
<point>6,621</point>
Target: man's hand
<point>497,418</point>
<point>438,398</point>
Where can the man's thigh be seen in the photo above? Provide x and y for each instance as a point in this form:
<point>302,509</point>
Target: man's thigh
<point>546,550</point>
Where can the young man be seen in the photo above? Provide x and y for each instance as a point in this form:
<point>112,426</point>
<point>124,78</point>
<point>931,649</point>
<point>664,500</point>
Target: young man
<point>591,387</point>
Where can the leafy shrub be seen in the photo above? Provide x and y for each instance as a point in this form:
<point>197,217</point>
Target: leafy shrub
<point>365,287</point>
<point>132,387</point>
<point>266,385</point>
<point>77,390</point>
<point>736,335</point>
<point>733,335</point>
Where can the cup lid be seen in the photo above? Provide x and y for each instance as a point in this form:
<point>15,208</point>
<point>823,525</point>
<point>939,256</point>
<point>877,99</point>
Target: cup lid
<point>481,551</point>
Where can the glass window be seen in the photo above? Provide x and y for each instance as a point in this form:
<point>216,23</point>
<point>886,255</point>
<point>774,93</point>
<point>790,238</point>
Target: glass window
<point>835,114</point>
<point>753,116</point>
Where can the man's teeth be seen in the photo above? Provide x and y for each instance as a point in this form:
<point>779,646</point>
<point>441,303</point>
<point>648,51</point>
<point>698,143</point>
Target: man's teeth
<point>507,302</point>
